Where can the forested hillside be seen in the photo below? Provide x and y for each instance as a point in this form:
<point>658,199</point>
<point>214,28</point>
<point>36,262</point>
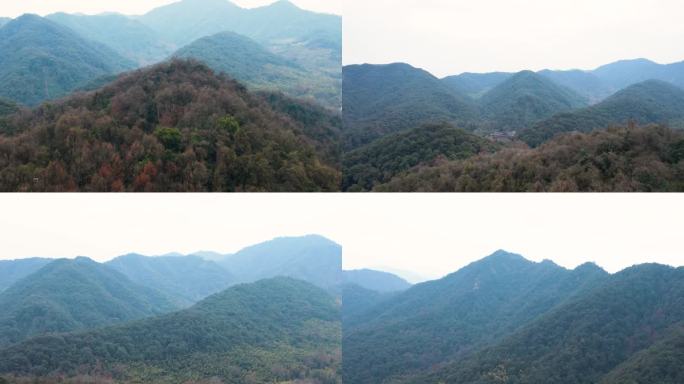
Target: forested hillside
<point>650,102</point>
<point>41,60</point>
<point>69,295</point>
<point>449,317</point>
<point>381,160</point>
<point>375,280</point>
<point>272,331</point>
<point>12,271</point>
<point>624,316</point>
<point>176,126</point>
<point>617,159</point>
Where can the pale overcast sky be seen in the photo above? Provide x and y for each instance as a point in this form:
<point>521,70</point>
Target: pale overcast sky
<point>431,235</point>
<point>448,37</point>
<point>135,7</point>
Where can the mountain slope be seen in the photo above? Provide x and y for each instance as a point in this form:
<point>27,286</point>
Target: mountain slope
<point>4,20</point>
<point>584,83</point>
<point>187,279</point>
<point>68,295</point>
<point>383,99</point>
<point>447,318</point>
<point>270,331</point>
<point>476,84</point>
<point>12,271</point>
<point>252,64</point>
<point>130,38</point>
<point>310,258</point>
<point>379,161</point>
<point>41,60</point>
<point>524,99</point>
<point>584,339</point>
<point>619,159</point>
<point>652,101</point>
<point>356,300</point>
<point>176,126</point>
<point>375,280</point>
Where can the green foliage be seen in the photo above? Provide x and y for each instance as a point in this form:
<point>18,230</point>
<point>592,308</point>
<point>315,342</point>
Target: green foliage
<point>41,60</point>
<point>7,107</point>
<point>12,271</point>
<point>441,320</point>
<point>275,330</point>
<point>105,141</point>
<point>69,295</point>
<point>186,279</point>
<point>229,124</point>
<point>617,159</point>
<point>171,138</point>
<point>381,160</point>
<point>644,103</point>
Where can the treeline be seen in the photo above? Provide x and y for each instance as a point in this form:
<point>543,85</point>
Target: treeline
<point>174,127</point>
<point>621,159</point>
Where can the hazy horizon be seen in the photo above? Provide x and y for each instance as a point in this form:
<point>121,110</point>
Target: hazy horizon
<point>138,7</point>
<point>429,235</point>
<point>447,37</point>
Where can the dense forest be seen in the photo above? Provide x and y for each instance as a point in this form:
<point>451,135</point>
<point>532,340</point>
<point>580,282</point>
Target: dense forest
<point>276,330</point>
<point>617,159</point>
<point>173,127</point>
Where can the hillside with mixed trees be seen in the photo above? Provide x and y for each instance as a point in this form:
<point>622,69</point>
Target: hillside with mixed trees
<point>619,159</point>
<point>279,330</point>
<point>176,126</point>
<point>505,319</point>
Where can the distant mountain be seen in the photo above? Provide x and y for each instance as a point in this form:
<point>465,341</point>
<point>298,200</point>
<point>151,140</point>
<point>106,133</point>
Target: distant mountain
<point>375,280</point>
<point>252,64</point>
<point>130,38</point>
<point>476,85</point>
<point>584,83</point>
<point>586,338</point>
<point>187,279</point>
<point>624,73</point>
<point>188,20</point>
<point>176,126</point>
<point>384,99</point>
<point>620,159</point>
<point>272,331</point>
<point>382,159</point>
<point>310,258</point>
<point>524,99</point>
<point>4,20</point>
<point>652,101</point>
<point>69,295</point>
<point>41,60</point>
<point>356,300</point>
<point>208,255</point>
<point>450,317</point>
<point>12,271</point>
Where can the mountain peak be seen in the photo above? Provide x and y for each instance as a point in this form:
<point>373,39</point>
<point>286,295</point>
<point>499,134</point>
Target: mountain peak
<point>502,254</point>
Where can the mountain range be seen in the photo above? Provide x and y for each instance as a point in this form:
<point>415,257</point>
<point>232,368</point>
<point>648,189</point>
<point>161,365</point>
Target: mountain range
<point>507,319</point>
<point>73,51</point>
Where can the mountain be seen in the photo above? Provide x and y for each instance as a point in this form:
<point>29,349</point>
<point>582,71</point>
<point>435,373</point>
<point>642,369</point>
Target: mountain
<point>310,258</point>
<point>356,300</point>
<point>187,279</point>
<point>4,20</point>
<point>619,159</point>
<point>7,107</point>
<point>12,271</point>
<point>176,126</point>
<point>384,99</point>
<point>252,64</point>
<point>585,83</point>
<point>450,317</point>
<point>476,84</point>
<point>524,99</point>
<point>375,280</point>
<point>41,60</point>
<point>68,295</point>
<point>585,339</point>
<point>382,159</point>
<point>624,73</point>
<point>272,331</point>
<point>128,37</point>
<point>188,20</point>
<point>652,101</point>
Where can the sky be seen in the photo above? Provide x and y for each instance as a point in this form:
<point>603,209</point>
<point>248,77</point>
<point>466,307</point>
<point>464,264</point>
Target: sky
<point>430,235</point>
<point>448,37</point>
<point>136,7</point>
